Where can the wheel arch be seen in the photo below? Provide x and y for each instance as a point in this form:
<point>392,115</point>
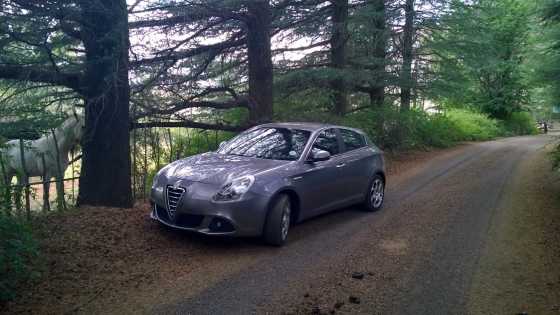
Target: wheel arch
<point>382,174</point>
<point>295,202</point>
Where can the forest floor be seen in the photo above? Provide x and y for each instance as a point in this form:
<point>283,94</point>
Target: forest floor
<point>99,260</point>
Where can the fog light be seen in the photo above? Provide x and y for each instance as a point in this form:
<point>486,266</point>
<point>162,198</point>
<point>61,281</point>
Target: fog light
<point>221,225</point>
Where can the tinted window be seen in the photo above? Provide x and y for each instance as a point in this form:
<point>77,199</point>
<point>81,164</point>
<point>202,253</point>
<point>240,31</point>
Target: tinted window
<point>268,143</point>
<point>352,140</point>
<point>327,141</point>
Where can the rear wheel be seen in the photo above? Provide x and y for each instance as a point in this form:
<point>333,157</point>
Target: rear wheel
<point>278,221</point>
<point>376,194</point>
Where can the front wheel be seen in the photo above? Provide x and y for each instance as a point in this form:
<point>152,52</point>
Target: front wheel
<point>376,194</point>
<point>277,223</point>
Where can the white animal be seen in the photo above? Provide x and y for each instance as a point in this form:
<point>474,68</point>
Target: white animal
<point>67,135</point>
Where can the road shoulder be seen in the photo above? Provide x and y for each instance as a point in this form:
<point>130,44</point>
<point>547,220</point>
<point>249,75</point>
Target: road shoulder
<point>518,271</point>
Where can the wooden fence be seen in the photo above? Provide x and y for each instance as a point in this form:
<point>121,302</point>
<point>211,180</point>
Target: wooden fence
<point>24,198</point>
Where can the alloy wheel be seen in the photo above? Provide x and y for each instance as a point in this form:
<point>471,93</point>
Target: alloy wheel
<point>285,223</point>
<point>376,193</point>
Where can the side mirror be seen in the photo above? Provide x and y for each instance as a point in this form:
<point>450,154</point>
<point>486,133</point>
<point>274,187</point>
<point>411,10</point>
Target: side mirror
<point>320,155</point>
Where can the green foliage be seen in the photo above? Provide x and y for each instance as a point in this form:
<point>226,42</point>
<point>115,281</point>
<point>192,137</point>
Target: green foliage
<point>392,129</point>
<point>520,123</point>
<point>480,51</point>
<point>545,61</point>
<point>157,147</point>
<point>471,126</point>
<point>18,255</point>
<point>28,110</point>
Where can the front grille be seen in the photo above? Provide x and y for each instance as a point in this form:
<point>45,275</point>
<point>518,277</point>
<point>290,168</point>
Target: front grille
<point>174,195</point>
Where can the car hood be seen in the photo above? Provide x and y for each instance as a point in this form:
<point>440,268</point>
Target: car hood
<point>214,168</point>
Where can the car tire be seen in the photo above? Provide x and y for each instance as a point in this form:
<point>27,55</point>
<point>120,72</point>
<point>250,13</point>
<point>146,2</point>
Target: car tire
<point>278,221</point>
<point>375,194</point>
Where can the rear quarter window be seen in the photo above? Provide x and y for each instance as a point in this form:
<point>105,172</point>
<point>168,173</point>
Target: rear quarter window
<point>352,140</point>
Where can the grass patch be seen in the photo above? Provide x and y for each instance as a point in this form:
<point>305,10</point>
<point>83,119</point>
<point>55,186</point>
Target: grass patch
<point>19,255</point>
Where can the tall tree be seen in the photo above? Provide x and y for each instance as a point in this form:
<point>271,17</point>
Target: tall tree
<point>368,60</point>
<point>339,43</point>
<point>259,22</point>
<point>480,53</point>
<point>81,46</point>
<point>235,71</point>
<point>546,50</point>
<point>406,81</point>
<point>106,151</point>
<point>380,37</point>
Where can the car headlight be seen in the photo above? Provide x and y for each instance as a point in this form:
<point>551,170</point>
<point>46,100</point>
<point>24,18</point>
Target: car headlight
<point>234,189</point>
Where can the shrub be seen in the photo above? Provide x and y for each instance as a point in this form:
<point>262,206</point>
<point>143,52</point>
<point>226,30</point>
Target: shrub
<point>520,123</point>
<point>471,126</point>
<point>18,255</point>
<point>392,129</point>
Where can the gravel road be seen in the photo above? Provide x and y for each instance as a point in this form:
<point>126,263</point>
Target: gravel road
<point>473,229</point>
<point>419,255</point>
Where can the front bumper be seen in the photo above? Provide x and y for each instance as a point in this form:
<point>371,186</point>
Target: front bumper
<point>197,212</point>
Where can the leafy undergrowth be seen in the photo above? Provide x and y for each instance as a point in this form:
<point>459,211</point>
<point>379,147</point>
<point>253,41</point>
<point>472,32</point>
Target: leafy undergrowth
<point>394,130</point>
<point>18,255</point>
<point>85,254</point>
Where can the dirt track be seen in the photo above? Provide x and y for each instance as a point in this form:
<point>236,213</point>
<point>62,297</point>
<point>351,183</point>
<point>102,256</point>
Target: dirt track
<point>469,230</point>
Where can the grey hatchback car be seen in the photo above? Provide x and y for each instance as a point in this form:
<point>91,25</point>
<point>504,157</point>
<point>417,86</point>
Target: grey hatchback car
<point>269,177</point>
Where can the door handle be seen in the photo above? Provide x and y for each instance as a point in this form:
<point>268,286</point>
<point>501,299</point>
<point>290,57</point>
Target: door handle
<point>340,165</point>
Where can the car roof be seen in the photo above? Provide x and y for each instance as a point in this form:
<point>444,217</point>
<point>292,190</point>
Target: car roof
<point>310,126</point>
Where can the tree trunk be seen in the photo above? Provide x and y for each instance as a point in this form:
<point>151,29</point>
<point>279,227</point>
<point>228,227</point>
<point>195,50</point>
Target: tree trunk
<point>380,38</point>
<point>406,71</point>
<point>105,174</point>
<point>259,23</point>
<point>339,40</point>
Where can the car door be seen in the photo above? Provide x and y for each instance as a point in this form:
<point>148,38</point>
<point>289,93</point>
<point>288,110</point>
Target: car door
<point>319,183</point>
<point>358,164</point>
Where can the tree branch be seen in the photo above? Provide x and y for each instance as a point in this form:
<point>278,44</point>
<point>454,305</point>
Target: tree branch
<point>239,101</point>
<point>188,124</point>
<point>36,74</point>
<point>189,53</point>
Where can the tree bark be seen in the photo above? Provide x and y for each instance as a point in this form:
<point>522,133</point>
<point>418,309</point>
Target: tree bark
<point>259,23</point>
<point>339,39</point>
<point>105,175</point>
<point>407,51</point>
<point>380,38</point>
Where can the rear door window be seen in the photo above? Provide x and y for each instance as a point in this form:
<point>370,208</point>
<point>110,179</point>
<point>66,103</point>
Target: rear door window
<point>352,140</point>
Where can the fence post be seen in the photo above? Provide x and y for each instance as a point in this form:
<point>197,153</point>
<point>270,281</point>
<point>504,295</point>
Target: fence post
<point>25,180</point>
<point>216,138</point>
<point>189,141</point>
<point>157,148</point>
<point>46,186</point>
<point>170,145</point>
<point>61,202</point>
<point>145,177</point>
<point>7,202</point>
<point>206,134</point>
<point>133,170</point>
<point>72,157</point>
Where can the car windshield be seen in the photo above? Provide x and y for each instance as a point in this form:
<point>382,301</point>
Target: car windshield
<point>268,143</point>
